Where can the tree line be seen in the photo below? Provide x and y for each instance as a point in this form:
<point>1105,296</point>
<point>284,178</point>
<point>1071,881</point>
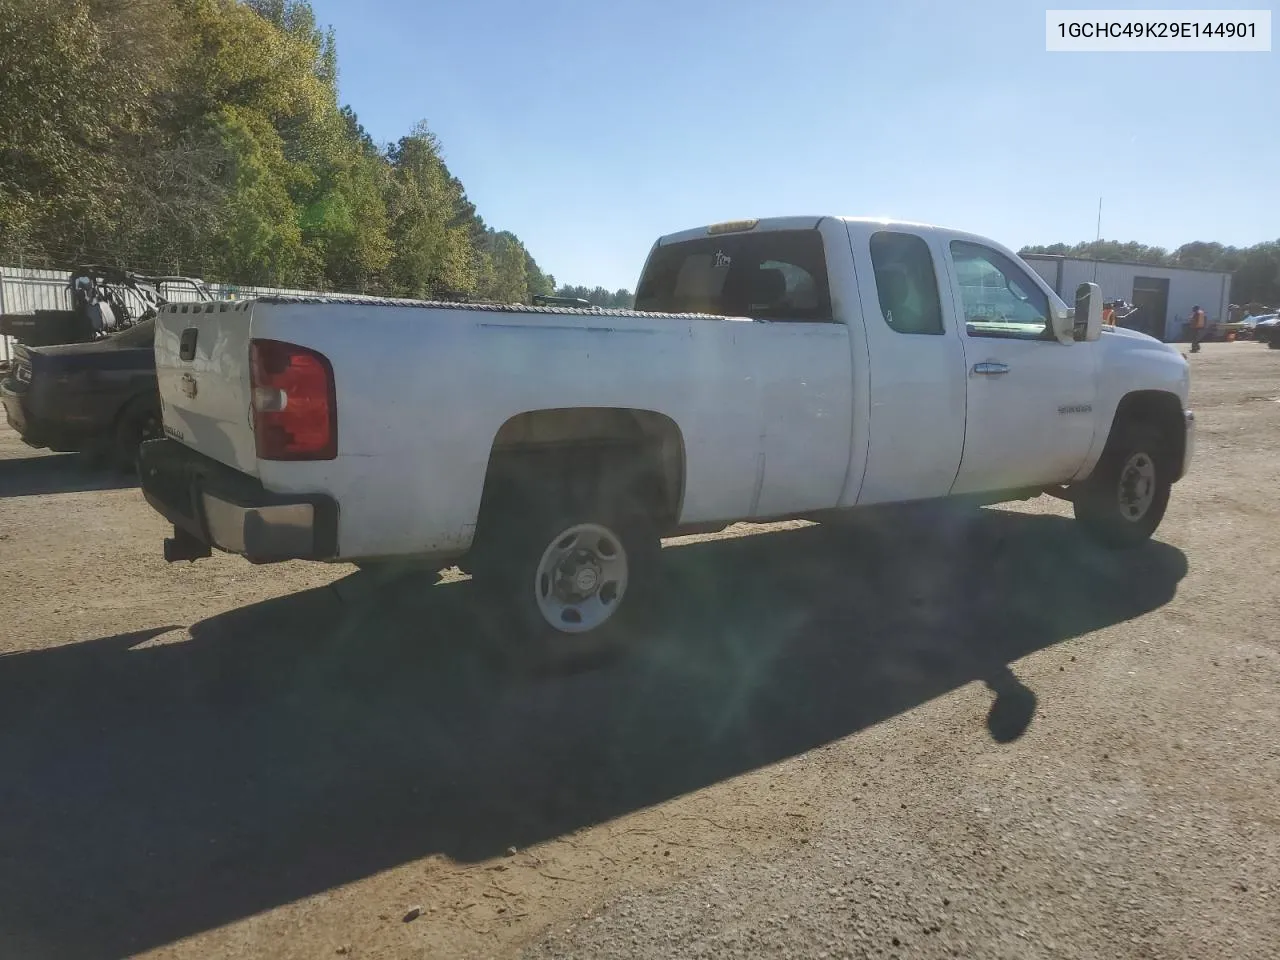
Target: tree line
<point>599,296</point>
<point>206,137</point>
<point>1255,270</point>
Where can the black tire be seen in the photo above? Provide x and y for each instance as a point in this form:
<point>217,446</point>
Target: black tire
<point>138,422</point>
<point>510,572</point>
<point>99,454</point>
<point>1125,498</point>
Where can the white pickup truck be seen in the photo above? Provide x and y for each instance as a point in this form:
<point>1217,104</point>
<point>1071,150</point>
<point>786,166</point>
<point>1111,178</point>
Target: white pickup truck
<point>777,368</point>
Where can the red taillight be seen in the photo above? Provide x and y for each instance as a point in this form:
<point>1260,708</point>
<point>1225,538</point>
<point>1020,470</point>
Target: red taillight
<point>295,413</point>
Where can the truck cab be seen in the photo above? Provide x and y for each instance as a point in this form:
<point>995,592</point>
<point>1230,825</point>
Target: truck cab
<point>964,373</point>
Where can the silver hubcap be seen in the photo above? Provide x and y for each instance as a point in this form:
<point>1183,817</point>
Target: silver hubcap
<point>1137,487</point>
<point>581,578</point>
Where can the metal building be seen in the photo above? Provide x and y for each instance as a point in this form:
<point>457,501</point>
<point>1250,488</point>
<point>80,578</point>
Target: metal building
<point>1164,296</point>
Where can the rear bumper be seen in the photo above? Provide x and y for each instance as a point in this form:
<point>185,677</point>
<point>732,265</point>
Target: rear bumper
<point>221,507</point>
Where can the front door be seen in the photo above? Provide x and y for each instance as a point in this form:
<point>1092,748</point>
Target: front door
<point>1030,399</point>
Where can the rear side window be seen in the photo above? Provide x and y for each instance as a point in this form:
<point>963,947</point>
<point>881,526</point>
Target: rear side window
<point>773,275</point>
<point>906,283</point>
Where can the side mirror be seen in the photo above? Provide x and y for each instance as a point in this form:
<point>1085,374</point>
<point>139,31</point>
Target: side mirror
<point>1087,321</point>
<point>1062,322</point>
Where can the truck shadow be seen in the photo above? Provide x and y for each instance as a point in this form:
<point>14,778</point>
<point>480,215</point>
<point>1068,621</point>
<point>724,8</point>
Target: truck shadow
<point>58,473</point>
<point>162,783</point>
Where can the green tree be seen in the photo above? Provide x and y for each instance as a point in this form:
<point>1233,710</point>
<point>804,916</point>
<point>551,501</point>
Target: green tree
<point>508,282</point>
<point>78,87</point>
<point>539,283</point>
<point>1257,279</point>
<point>599,296</point>
<point>262,240</point>
<point>433,252</point>
<point>207,135</point>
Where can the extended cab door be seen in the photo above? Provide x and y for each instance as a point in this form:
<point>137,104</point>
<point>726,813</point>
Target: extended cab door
<point>915,369</point>
<point>1030,398</point>
<point>795,356</point>
<point>799,357</point>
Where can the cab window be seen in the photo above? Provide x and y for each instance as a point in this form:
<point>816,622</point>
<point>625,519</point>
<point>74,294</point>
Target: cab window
<point>906,283</point>
<point>778,275</point>
<point>998,297</point>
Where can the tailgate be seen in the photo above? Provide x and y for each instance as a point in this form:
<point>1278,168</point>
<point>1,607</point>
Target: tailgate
<point>202,364</point>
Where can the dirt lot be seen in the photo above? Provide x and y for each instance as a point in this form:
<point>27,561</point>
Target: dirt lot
<point>973,736</point>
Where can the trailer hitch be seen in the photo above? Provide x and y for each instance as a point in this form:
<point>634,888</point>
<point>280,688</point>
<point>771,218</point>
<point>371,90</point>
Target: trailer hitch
<point>183,546</point>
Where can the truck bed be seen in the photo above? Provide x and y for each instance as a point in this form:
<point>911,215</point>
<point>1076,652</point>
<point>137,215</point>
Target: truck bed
<point>482,307</point>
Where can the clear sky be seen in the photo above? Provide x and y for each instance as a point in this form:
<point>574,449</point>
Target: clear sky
<point>589,128</point>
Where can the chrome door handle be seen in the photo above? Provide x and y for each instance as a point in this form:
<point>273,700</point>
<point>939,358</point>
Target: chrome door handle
<point>989,369</point>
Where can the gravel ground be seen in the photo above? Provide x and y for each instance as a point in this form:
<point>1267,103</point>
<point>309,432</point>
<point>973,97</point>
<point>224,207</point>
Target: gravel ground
<point>962,734</point>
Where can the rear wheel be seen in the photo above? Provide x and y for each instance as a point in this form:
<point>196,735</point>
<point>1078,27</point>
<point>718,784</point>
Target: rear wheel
<point>576,581</point>
<point>1124,500</point>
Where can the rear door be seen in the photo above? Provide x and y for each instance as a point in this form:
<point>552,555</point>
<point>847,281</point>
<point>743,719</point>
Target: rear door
<point>795,354</point>
<point>1030,398</point>
<point>916,369</point>
<point>202,365</point>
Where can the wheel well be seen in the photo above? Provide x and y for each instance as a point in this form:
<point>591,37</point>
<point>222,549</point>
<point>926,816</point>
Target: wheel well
<point>592,450</point>
<point>1159,409</point>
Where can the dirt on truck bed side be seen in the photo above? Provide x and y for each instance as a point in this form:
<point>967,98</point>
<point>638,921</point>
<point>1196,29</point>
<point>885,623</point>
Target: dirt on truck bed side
<point>952,734</point>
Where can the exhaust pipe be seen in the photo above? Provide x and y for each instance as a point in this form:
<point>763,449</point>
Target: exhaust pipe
<point>183,546</point>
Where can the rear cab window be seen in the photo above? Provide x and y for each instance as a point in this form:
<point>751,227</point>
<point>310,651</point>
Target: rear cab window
<point>778,275</point>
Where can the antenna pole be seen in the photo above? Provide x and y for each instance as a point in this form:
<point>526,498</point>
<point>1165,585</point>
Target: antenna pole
<point>1097,238</point>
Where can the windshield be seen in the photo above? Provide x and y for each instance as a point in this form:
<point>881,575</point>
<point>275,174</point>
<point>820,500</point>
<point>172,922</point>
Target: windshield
<point>771,275</point>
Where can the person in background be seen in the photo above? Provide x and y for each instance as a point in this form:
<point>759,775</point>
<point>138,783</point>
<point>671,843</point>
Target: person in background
<point>1197,328</point>
<point>1109,313</point>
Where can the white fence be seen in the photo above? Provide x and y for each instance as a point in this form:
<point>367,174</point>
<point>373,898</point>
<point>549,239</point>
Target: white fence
<point>25,290</point>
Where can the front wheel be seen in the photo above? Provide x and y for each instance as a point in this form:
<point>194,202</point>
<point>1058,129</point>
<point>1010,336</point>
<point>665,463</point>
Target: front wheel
<point>1124,500</point>
<point>577,583</point>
